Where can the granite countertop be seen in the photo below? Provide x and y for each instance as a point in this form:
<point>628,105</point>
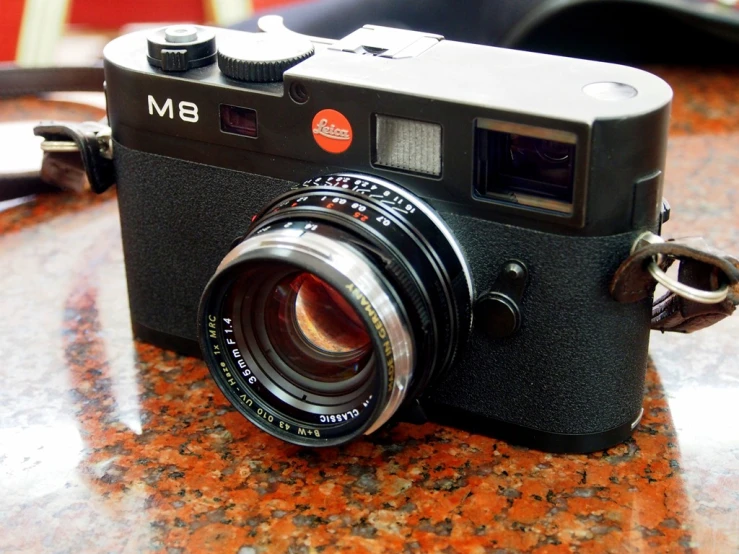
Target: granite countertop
<point>110,445</point>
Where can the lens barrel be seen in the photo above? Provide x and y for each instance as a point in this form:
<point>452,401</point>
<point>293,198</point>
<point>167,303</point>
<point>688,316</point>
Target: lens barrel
<point>345,299</point>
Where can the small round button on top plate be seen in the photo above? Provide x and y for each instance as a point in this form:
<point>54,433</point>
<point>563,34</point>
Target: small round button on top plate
<point>181,33</point>
<point>610,91</point>
<point>181,47</point>
<point>262,57</point>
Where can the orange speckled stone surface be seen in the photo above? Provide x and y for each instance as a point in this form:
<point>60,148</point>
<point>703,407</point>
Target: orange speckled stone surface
<point>109,445</point>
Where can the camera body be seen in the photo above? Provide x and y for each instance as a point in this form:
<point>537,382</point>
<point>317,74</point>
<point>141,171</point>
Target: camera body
<point>551,164</point>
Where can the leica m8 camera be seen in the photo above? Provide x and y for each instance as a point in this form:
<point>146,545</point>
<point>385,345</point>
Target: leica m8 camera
<point>390,226</point>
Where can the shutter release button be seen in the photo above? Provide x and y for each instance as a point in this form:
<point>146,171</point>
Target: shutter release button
<point>181,47</point>
<point>181,33</point>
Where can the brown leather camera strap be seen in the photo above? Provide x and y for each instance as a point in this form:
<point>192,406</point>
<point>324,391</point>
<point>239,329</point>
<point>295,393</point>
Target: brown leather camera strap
<point>19,81</point>
<point>701,267</point>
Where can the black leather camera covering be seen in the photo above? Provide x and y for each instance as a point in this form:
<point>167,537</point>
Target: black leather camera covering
<point>576,366</point>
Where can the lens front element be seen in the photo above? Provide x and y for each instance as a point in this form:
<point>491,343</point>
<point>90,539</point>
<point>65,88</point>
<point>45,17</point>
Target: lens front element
<point>325,321</point>
<point>315,330</point>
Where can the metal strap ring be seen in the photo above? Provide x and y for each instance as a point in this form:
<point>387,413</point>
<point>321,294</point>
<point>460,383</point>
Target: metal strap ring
<point>688,292</point>
<point>55,146</point>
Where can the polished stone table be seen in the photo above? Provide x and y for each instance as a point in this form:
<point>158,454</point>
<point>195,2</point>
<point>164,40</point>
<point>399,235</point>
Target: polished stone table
<point>110,445</point>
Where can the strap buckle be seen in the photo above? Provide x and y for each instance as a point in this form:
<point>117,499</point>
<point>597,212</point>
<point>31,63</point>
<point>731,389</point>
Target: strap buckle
<point>673,285</point>
<point>104,139</point>
<point>705,292</point>
<point>66,144</point>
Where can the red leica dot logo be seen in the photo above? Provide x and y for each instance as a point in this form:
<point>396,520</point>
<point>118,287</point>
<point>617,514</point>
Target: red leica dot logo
<point>332,131</point>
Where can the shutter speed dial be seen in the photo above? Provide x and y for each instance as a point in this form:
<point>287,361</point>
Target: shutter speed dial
<point>262,57</point>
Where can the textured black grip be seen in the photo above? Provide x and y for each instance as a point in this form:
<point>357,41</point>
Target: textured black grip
<point>178,220</point>
<point>577,364</point>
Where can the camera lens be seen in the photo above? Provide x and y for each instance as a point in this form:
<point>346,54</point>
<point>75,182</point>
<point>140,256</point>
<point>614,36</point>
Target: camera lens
<point>346,298</point>
<point>324,319</point>
<point>316,330</point>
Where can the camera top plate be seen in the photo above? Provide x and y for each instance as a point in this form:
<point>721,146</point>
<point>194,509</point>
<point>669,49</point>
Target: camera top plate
<point>329,110</point>
<point>426,65</point>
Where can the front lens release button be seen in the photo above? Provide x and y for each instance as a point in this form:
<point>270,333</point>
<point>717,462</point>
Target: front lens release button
<point>498,312</point>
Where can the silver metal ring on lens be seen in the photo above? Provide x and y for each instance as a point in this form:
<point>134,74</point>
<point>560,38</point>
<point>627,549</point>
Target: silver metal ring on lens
<point>348,263</point>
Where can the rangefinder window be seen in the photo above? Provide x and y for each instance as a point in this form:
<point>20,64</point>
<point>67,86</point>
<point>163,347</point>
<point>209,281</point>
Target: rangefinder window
<point>522,164</point>
<point>407,145</point>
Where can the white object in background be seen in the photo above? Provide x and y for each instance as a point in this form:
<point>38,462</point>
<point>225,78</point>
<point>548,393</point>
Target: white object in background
<point>228,12</point>
<point>41,27</point>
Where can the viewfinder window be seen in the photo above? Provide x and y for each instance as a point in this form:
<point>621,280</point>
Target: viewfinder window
<point>522,164</point>
<point>239,121</point>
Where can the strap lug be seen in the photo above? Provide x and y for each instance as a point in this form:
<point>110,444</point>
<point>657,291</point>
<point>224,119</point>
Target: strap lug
<point>92,140</point>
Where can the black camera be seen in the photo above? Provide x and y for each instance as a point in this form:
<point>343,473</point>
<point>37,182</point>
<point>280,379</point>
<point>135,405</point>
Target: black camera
<point>391,225</point>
